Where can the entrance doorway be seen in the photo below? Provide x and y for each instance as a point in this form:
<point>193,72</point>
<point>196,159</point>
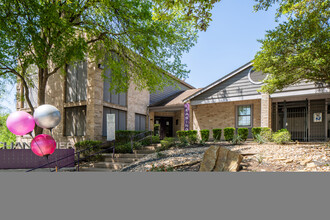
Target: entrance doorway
<point>166,126</point>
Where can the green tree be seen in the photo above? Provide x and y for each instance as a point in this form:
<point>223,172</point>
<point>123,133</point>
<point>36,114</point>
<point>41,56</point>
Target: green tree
<point>5,134</point>
<point>298,49</point>
<point>141,38</point>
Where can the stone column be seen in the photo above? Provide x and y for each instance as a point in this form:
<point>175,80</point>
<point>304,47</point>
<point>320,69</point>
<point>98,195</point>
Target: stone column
<point>266,105</point>
<point>94,111</point>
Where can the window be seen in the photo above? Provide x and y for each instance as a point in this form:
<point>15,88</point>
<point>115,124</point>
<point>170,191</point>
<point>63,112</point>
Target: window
<point>75,121</point>
<point>112,96</point>
<point>120,119</point>
<point>244,116</point>
<point>140,122</point>
<point>76,82</point>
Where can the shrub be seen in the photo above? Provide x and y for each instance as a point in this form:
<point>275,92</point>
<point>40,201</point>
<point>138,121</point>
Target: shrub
<point>147,141</point>
<point>137,145</point>
<point>205,135</point>
<point>181,133</point>
<point>123,148</point>
<point>191,135</point>
<point>229,133</point>
<point>156,129</point>
<point>259,139</point>
<point>266,134</point>
<point>256,131</point>
<point>124,136</point>
<point>166,144</point>
<point>282,136</point>
<point>217,134</point>
<point>243,132</point>
<point>155,139</point>
<point>183,141</point>
<point>88,148</point>
<point>237,139</point>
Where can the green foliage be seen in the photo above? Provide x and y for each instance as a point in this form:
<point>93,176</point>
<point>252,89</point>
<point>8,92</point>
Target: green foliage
<point>205,134</point>
<point>142,39</point>
<point>124,136</point>
<point>256,131</point>
<point>237,139</point>
<point>282,136</point>
<point>123,148</point>
<point>229,133</point>
<point>161,168</point>
<point>266,134</point>
<point>137,145</point>
<point>166,144</point>
<point>217,134</point>
<point>147,141</point>
<point>155,139</point>
<point>5,134</point>
<point>298,49</point>
<point>156,129</point>
<point>89,147</point>
<point>183,141</point>
<point>243,133</point>
<point>191,135</point>
<point>259,139</point>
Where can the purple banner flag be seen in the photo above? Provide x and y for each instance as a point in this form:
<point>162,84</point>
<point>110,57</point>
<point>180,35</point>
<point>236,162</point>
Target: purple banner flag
<point>186,116</point>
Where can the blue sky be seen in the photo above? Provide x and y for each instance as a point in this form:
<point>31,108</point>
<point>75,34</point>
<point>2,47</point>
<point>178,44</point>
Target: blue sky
<point>229,42</point>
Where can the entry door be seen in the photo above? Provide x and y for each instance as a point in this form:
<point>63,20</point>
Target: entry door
<point>166,126</point>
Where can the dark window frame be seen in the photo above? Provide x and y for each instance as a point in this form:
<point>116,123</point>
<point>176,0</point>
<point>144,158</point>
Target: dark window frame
<point>250,115</point>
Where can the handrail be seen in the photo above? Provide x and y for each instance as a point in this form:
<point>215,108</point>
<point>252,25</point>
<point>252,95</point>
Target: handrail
<point>76,153</point>
<point>137,135</point>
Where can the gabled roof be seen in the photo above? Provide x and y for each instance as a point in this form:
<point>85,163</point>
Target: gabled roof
<point>229,75</point>
<point>176,99</point>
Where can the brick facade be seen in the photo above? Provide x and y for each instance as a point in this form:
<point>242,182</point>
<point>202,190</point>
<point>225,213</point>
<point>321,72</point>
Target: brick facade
<point>137,102</point>
<point>221,115</point>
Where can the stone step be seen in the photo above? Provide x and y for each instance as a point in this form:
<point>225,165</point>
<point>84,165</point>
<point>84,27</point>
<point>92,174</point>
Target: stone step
<point>149,148</point>
<point>110,165</point>
<point>121,159</point>
<point>136,155</point>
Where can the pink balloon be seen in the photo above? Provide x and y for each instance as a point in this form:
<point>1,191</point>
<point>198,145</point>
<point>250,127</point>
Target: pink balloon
<point>43,145</point>
<point>20,123</point>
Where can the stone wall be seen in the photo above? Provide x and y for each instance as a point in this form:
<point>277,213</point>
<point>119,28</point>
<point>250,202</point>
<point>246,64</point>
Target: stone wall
<point>221,115</point>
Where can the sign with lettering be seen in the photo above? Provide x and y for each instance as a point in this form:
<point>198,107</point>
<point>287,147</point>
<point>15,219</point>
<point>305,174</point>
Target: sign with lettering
<point>186,116</point>
<point>111,127</point>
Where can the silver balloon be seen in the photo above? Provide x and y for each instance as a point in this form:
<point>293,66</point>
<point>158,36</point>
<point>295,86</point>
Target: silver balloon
<point>47,116</point>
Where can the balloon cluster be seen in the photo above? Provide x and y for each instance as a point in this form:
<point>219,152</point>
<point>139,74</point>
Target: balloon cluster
<point>45,116</point>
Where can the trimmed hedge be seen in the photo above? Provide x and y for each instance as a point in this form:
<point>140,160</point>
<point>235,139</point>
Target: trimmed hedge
<point>243,133</point>
<point>229,133</point>
<point>205,134</point>
<point>256,131</point>
<point>217,134</point>
<point>266,134</point>
<point>191,135</point>
<point>124,136</point>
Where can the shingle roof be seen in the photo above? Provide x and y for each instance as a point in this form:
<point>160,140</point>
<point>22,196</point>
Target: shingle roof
<point>176,99</point>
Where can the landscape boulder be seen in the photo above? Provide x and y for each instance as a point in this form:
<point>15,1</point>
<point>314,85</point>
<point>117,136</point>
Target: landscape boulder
<point>220,159</point>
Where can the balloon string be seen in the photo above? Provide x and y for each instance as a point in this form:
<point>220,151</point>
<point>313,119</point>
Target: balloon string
<point>51,133</point>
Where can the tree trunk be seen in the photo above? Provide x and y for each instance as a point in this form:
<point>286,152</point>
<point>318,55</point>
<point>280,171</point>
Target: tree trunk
<point>42,76</point>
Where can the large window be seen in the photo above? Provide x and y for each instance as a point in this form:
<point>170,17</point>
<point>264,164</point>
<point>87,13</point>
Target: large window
<point>120,119</point>
<point>75,121</point>
<point>112,96</point>
<point>244,116</point>
<point>76,82</point>
<point>140,122</point>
